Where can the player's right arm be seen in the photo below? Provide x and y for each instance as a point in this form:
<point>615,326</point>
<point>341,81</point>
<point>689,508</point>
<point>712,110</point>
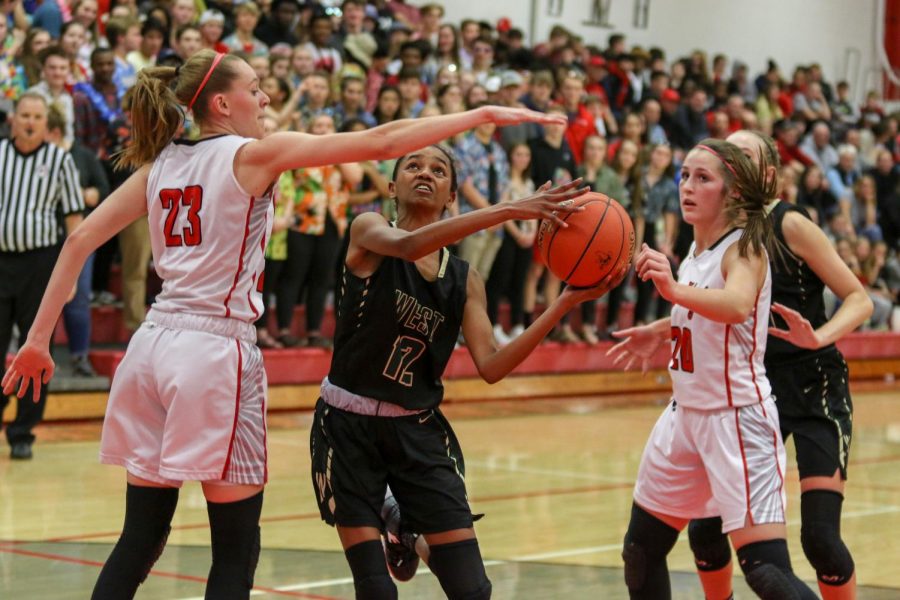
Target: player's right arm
<point>370,233</point>
<point>33,363</point>
<point>262,161</point>
<point>806,240</point>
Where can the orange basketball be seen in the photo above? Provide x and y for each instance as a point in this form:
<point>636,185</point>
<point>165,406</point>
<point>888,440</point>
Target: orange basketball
<point>597,242</point>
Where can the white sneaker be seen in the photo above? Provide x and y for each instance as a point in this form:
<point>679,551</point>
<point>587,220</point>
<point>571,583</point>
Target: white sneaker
<point>500,335</point>
<point>516,332</point>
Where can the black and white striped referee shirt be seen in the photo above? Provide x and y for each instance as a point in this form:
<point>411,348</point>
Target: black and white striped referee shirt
<point>34,189</point>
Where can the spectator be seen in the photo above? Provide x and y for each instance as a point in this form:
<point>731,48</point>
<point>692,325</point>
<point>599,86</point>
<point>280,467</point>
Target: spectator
<point>483,177</point>
<point>184,12</point>
<point>602,179</point>
<point>316,98</point>
<point>447,48</point>
<point>604,120</point>
<point>352,104</point>
<point>659,224</point>
<point>678,136</point>
<point>692,116</point>
<point>29,63</point>
<point>388,106</point>
<point>810,104</point>
<point>409,84</point>
<point>325,56</point>
<point>94,189</point>
<point>302,64</point>
<point>844,110</point>
<point>278,26</point>
<point>48,17</point>
<point>320,208</point>
<point>189,40</point>
<point>551,160</point>
<point>282,101</point>
<point>27,260</point>
<point>55,71</point>
<point>212,26</point>
<point>246,18</point>
<point>813,195</point>
<point>581,122</point>
<point>841,179</point>
<point>865,209</point>
<point>124,37</point>
<point>787,137</point>
<point>72,39</point>
<point>768,109</point>
<point>514,257</point>
<point>817,146</point>
<point>153,33</point>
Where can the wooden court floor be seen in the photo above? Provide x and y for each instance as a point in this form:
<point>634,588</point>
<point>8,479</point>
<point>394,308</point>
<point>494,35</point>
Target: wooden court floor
<point>554,478</point>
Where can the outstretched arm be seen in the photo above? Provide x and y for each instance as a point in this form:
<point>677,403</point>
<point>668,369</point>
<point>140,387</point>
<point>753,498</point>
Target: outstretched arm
<point>265,159</point>
<point>32,363</point>
<point>371,233</point>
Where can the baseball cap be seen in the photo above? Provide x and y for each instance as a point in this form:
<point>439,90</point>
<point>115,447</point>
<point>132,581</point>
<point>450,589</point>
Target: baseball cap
<point>670,95</point>
<point>511,78</point>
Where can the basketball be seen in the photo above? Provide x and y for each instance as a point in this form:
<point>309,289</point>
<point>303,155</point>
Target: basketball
<point>597,242</point>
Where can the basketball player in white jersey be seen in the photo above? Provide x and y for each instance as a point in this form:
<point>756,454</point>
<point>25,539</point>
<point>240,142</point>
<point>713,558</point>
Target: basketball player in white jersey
<point>810,382</point>
<point>717,449</point>
<point>188,401</point>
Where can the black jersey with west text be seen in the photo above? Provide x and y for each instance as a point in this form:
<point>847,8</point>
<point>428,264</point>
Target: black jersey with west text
<point>794,285</point>
<point>396,331</point>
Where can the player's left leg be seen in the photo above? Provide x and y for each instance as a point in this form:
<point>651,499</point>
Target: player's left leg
<point>820,533</point>
<point>712,557</point>
<point>149,507</point>
<point>234,512</point>
<point>455,559</point>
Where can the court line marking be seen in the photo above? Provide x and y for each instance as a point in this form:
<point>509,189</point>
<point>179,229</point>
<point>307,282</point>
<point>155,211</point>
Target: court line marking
<point>168,574</point>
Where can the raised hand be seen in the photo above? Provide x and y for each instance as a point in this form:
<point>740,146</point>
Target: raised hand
<point>32,365</point>
<point>503,115</point>
<point>654,265</point>
<point>638,344</point>
<point>549,202</point>
<point>799,332</point>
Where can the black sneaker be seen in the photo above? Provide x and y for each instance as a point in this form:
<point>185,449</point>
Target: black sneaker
<point>399,546</point>
<point>20,451</point>
<point>81,366</point>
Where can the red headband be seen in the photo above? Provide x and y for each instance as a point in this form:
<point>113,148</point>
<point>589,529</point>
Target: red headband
<point>216,61</point>
<point>719,156</point>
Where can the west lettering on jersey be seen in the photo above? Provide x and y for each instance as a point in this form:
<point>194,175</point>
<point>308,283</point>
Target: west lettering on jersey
<point>416,316</point>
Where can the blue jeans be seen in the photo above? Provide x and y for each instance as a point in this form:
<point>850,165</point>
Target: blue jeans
<point>77,313</point>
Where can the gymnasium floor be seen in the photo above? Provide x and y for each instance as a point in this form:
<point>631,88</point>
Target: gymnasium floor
<point>553,476</point>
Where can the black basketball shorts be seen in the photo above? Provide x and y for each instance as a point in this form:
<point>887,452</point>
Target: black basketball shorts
<point>354,458</point>
<point>814,405</point>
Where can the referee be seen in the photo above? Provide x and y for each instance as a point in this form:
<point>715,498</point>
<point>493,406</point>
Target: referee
<point>37,181</point>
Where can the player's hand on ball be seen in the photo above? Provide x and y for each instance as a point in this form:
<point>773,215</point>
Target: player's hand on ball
<point>32,365</point>
<point>550,202</point>
<point>654,265</point>
<point>637,344</point>
<point>577,295</point>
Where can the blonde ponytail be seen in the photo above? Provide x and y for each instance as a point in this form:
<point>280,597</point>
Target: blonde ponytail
<point>158,97</point>
<point>155,117</point>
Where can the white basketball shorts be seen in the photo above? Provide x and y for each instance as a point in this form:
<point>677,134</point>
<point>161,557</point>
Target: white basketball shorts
<point>728,462</point>
<point>188,403</point>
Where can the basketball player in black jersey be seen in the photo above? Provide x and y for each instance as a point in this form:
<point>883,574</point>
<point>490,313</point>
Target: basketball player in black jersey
<point>810,383</point>
<point>403,300</point>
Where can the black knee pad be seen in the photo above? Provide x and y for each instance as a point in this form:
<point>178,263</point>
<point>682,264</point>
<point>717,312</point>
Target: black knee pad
<point>371,579</point>
<point>709,545</point>
<point>767,569</point>
<point>234,529</point>
<point>820,535</point>
<point>459,568</point>
<point>647,543</point>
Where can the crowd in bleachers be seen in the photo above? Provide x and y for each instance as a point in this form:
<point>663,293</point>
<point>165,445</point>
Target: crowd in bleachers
<point>330,66</point>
